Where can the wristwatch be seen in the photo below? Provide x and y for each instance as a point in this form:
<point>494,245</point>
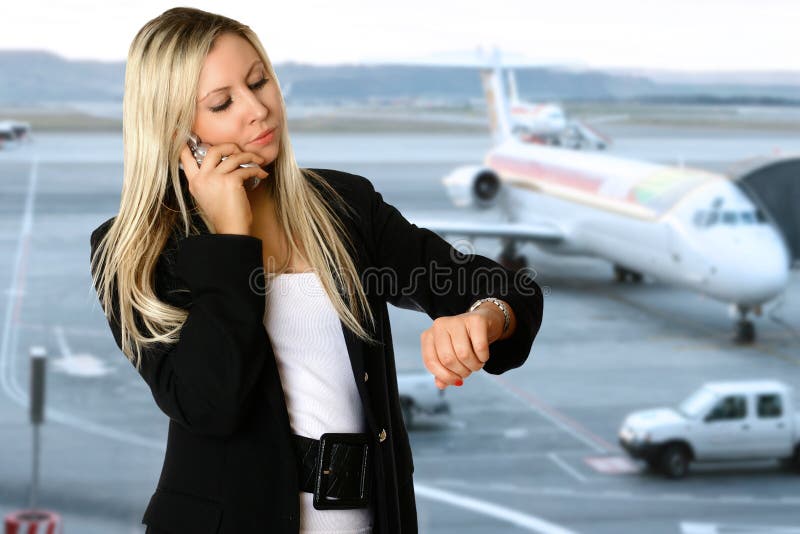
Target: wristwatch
<point>499,304</point>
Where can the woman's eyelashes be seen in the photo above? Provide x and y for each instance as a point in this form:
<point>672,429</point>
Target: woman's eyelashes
<point>255,87</point>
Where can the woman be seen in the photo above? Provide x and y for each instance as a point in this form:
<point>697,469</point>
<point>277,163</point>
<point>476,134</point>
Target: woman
<point>283,406</point>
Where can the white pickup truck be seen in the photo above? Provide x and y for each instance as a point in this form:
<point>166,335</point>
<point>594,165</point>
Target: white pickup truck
<point>722,421</point>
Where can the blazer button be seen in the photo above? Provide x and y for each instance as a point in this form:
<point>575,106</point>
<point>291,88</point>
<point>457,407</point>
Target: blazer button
<point>366,377</point>
<point>382,435</point>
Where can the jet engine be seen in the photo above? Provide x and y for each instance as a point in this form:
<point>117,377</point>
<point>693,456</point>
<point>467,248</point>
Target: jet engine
<point>473,186</point>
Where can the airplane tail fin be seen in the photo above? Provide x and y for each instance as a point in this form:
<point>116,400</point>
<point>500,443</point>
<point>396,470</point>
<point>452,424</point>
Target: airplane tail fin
<point>496,103</point>
<point>513,96</point>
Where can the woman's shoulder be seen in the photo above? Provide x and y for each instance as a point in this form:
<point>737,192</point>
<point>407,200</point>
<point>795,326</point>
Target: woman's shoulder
<point>347,184</point>
<point>166,282</point>
<point>100,231</point>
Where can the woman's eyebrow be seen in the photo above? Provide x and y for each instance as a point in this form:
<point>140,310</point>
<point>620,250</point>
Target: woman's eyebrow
<point>228,86</point>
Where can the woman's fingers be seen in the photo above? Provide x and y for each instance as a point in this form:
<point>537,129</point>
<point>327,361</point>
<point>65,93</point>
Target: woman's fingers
<point>455,347</point>
<point>215,153</point>
<point>432,363</point>
<point>233,161</point>
<point>219,193</point>
<point>451,347</point>
<point>245,173</point>
<point>190,167</point>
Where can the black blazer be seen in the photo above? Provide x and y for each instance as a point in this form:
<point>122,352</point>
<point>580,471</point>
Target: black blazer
<point>229,466</point>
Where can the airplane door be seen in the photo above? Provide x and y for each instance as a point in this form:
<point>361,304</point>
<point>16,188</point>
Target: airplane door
<point>725,432</point>
<point>771,427</point>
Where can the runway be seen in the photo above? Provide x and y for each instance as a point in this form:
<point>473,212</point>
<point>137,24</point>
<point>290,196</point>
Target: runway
<point>533,450</point>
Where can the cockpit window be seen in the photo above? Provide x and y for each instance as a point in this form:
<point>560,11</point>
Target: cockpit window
<point>708,218</point>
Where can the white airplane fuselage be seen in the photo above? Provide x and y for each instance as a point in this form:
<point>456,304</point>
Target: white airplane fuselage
<point>706,234</point>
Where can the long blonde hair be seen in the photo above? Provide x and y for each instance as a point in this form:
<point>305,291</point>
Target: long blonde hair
<point>163,66</point>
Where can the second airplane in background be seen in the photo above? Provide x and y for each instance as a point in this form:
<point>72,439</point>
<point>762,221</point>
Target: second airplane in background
<point>547,123</point>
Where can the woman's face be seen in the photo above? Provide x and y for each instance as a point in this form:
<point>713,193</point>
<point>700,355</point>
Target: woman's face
<point>234,102</point>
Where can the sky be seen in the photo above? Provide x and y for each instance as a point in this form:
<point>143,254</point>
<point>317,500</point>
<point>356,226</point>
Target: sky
<point>691,35</point>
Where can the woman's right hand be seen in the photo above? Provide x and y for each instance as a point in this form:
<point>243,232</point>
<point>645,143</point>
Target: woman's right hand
<point>218,186</point>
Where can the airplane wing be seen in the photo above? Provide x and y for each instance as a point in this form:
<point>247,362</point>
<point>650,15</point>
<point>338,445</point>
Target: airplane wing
<point>535,232</point>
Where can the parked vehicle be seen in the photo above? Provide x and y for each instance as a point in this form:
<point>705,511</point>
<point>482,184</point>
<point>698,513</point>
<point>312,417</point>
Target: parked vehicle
<point>13,133</point>
<point>722,421</point>
<point>419,395</point>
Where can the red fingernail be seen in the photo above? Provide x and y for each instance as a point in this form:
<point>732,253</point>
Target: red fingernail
<point>459,383</point>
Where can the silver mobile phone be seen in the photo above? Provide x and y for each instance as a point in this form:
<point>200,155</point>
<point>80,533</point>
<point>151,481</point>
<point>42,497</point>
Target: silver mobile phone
<point>200,149</point>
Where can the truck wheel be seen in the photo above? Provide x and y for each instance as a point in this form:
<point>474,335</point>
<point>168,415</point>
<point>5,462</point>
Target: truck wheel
<point>674,461</point>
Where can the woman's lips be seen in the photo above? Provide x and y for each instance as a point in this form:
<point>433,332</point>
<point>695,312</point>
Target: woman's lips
<point>266,138</point>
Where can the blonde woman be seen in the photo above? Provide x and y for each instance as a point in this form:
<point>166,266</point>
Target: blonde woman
<point>258,315</point>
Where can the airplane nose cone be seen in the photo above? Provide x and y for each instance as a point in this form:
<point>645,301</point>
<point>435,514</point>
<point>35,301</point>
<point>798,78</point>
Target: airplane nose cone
<point>764,274</point>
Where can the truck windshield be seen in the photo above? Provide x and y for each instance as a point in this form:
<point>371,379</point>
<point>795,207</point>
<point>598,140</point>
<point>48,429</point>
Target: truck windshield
<point>697,403</point>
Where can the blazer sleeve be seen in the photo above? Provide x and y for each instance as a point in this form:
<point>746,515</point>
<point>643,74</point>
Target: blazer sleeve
<point>413,255</point>
<point>203,381</point>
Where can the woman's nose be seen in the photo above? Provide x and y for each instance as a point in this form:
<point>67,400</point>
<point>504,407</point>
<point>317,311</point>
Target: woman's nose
<point>256,108</point>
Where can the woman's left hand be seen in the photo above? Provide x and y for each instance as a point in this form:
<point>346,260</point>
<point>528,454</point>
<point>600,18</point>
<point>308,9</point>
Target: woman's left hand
<point>455,346</point>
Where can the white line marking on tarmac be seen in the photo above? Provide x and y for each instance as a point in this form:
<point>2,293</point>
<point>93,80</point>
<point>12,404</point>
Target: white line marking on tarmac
<point>515,433</point>
<point>525,521</point>
<point>83,365</point>
<point>566,467</point>
<point>440,458</point>
<point>69,330</point>
<point>688,527</point>
<point>737,499</point>
<point>624,496</point>
<point>677,496</point>
<point>15,291</point>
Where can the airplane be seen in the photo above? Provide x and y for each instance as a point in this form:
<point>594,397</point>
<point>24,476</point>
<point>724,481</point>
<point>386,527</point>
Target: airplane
<point>547,123</point>
<point>689,227</point>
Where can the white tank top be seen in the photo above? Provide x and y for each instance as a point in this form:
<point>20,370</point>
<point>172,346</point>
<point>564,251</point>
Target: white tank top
<point>317,379</point>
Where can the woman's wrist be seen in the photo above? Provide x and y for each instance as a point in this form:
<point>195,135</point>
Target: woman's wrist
<point>497,319</point>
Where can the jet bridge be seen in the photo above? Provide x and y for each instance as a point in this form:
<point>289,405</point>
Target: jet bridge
<point>773,184</point>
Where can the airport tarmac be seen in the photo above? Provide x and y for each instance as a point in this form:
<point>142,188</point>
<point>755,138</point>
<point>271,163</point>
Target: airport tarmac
<point>533,450</point>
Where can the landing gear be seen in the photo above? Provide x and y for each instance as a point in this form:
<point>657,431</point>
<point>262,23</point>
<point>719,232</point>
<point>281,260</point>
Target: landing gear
<point>510,259</point>
<point>745,329</point>
<point>621,275</point>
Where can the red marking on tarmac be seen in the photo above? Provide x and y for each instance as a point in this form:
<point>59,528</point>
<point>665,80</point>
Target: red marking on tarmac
<point>611,465</point>
<point>538,403</point>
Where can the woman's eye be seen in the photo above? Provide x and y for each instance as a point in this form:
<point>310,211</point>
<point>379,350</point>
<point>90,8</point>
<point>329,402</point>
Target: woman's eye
<point>255,87</point>
<point>259,84</point>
